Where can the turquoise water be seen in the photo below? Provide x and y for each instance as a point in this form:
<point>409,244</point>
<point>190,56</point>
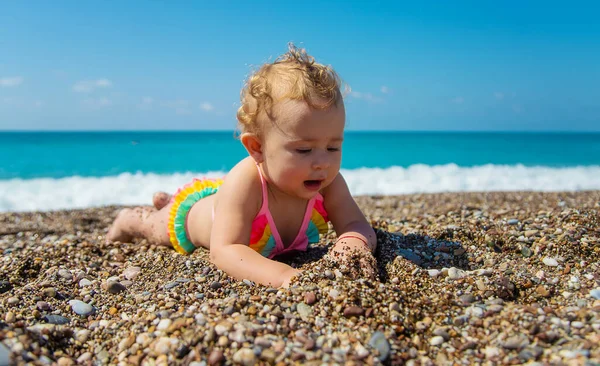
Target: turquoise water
<point>101,154</point>
<point>62,170</point>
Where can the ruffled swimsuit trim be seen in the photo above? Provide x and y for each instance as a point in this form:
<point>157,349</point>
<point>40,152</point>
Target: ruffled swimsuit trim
<point>183,200</point>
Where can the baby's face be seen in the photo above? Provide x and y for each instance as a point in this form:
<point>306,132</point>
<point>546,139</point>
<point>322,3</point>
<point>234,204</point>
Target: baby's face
<point>303,151</point>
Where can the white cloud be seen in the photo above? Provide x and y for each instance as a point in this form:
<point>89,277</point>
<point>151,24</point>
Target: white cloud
<point>365,96</point>
<point>205,106</point>
<point>88,86</point>
<point>180,106</point>
<point>458,100</point>
<point>499,95</point>
<point>147,103</point>
<point>11,81</point>
<point>384,89</point>
<point>97,103</point>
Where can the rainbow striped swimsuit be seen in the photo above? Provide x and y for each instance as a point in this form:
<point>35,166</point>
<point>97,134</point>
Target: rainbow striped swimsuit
<point>264,237</point>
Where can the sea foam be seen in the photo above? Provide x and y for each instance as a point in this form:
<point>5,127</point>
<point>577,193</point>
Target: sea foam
<point>43,194</point>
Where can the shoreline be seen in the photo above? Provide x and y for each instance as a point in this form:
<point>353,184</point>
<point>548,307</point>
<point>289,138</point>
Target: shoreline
<point>477,277</point>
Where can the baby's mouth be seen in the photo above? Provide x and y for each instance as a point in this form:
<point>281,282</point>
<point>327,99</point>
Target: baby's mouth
<point>313,185</point>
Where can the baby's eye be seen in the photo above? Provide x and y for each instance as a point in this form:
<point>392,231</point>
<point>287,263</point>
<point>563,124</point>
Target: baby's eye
<point>303,151</point>
<point>333,149</point>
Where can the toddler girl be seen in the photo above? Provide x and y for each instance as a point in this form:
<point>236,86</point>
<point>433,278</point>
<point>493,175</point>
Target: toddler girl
<point>278,199</point>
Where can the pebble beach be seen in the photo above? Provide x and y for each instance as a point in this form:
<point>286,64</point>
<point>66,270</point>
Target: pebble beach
<point>463,278</point>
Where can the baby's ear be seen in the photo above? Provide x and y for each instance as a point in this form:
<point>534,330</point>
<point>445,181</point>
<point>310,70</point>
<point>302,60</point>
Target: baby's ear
<point>254,146</point>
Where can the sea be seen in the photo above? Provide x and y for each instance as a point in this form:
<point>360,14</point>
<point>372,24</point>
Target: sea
<point>44,171</point>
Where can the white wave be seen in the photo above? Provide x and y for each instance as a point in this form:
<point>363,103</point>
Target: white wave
<point>44,194</point>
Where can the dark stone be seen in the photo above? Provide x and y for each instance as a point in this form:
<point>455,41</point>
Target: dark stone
<point>215,285</point>
<point>5,286</point>
<point>115,287</point>
<point>182,351</point>
<point>56,319</point>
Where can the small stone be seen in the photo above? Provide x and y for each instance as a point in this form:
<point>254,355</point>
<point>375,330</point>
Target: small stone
<point>49,292</point>
<point>526,251</point>
<point>43,306</point>
<point>215,285</point>
<point>244,356</point>
<point>12,301</point>
<point>10,317</point>
<point>65,274</point>
<point>433,273</point>
<point>115,287</point>
<point>81,308</point>
<point>436,341</point>
<point>455,273</point>
<point>56,319</point>
<point>329,274</point>
<point>305,311</point>
<point>170,285</point>
<point>164,324</point>
<point>595,293</point>
<point>577,325</point>
<point>542,291</point>
<point>467,299</point>
<point>84,282</point>
<point>515,342</point>
<point>5,286</point>
<point>310,298</point>
<point>381,344</point>
<point>334,294</point>
<point>84,357</point>
<point>442,333</point>
<point>132,272</point>
<point>248,283</point>
<point>549,261</point>
<point>512,222</point>
<point>350,311</point>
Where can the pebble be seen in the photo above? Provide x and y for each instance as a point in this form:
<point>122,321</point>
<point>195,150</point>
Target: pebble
<point>215,357</point>
<point>436,341</point>
<point>164,324</point>
<point>65,274</point>
<point>305,311</point>
<point>115,287</point>
<point>350,311</point>
<point>245,357</point>
<point>215,285</point>
<point>81,308</point>
<point>4,355</point>
<point>170,285</point>
<point>595,293</point>
<point>84,282</point>
<point>5,286</point>
<point>131,273</point>
<point>56,319</point>
<point>310,298</point>
<point>381,344</point>
<point>549,261</point>
<point>433,272</point>
<point>455,273</point>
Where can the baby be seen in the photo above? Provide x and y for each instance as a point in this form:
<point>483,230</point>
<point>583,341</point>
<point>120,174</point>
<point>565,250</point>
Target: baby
<point>281,197</point>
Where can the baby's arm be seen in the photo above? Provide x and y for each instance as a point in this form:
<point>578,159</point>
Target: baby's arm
<point>238,202</point>
<point>353,230</point>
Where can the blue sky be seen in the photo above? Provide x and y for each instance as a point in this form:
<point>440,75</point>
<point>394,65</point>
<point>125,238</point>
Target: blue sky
<point>133,65</point>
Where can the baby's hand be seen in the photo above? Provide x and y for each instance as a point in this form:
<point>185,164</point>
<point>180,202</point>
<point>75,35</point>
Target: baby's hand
<point>355,254</point>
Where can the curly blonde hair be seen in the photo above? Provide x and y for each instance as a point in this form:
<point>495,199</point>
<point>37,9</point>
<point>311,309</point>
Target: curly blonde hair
<point>295,75</point>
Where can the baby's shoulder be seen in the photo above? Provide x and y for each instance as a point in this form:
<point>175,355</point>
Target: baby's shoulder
<point>243,182</point>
